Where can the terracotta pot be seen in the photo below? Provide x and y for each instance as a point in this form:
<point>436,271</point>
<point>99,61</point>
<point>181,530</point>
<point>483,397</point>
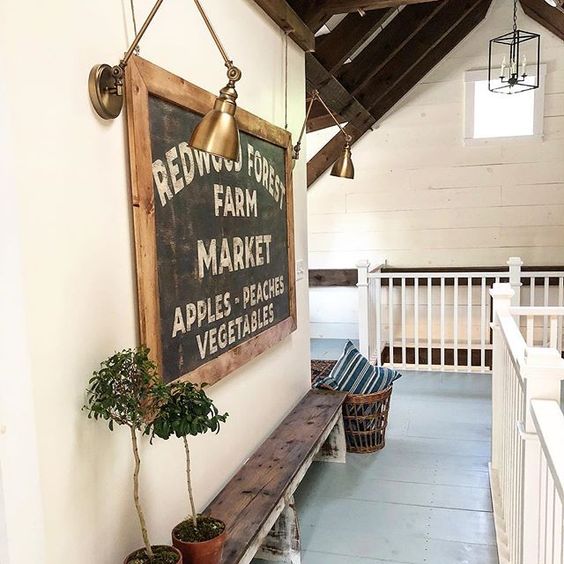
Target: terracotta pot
<point>172,548</point>
<point>206,552</point>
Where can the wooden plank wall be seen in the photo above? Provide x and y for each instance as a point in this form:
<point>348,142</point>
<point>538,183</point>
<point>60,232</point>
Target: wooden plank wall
<point>422,198</point>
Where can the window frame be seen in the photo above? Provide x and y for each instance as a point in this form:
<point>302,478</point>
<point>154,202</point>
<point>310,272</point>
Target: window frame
<point>473,76</point>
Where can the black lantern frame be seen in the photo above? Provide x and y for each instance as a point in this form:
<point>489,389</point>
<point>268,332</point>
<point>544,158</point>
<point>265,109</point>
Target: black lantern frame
<point>516,80</point>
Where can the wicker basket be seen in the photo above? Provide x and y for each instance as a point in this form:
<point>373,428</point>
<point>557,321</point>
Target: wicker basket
<point>365,416</point>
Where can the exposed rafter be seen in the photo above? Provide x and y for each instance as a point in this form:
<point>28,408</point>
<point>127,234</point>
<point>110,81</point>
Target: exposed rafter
<point>335,95</point>
<point>312,12</point>
<point>322,122</point>
<point>395,37</point>
<point>549,17</point>
<point>431,59</point>
<point>346,6</point>
<point>334,48</point>
<point>281,12</point>
<point>427,39</point>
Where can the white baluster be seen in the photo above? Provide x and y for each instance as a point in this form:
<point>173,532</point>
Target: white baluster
<point>416,318</point>
<point>379,321</point>
<point>442,323</point>
<point>545,318</point>
<point>455,322</point>
<point>483,327</point>
<point>469,325</point>
<point>403,323</point>
<point>363,307</point>
<point>391,318</point>
<point>430,323</point>
<point>530,330</point>
<point>554,331</point>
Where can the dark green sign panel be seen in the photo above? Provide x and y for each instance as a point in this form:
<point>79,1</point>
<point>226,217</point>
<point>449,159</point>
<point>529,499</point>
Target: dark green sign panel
<point>222,242</point>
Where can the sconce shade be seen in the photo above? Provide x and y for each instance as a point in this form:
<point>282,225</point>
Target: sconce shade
<point>343,167</point>
<point>218,132</point>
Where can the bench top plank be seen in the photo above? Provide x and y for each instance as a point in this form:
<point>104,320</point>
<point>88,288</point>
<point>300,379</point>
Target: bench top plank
<point>252,494</point>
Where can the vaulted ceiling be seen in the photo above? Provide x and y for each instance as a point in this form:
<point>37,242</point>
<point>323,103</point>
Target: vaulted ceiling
<point>364,56</point>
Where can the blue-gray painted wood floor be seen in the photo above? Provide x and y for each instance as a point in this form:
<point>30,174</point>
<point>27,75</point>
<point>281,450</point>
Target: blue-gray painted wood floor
<point>424,498</point>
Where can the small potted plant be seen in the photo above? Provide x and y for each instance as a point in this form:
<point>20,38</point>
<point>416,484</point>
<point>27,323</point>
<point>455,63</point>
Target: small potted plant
<point>187,411</point>
<point>126,391</point>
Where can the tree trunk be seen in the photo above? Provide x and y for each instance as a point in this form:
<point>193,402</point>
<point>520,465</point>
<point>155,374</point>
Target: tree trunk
<point>189,483</point>
<point>140,513</point>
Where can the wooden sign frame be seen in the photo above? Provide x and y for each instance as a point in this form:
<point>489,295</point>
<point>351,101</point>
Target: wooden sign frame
<point>144,79</point>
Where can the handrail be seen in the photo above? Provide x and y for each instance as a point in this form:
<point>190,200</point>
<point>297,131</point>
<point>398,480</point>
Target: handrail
<point>430,274</point>
<point>549,423</point>
<point>516,345</point>
<point>540,311</point>
<point>527,479</point>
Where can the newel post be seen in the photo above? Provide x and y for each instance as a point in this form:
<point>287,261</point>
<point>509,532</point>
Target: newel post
<point>543,371</point>
<point>515,264</point>
<point>363,307</point>
<point>502,295</point>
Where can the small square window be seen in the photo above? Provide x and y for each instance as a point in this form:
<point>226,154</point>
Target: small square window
<point>492,115</point>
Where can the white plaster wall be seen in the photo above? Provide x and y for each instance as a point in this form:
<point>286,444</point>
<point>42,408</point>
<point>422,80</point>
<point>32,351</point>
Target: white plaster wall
<point>72,230</point>
<point>422,198</point>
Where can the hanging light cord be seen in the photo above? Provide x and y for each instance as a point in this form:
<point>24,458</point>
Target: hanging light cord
<point>286,82</point>
<point>514,16</point>
<point>132,4</point>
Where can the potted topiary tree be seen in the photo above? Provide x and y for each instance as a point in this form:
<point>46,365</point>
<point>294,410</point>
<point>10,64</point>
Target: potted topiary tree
<point>126,391</point>
<point>189,411</point>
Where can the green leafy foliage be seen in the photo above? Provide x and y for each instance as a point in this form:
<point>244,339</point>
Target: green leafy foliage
<point>186,410</point>
<point>126,390</point>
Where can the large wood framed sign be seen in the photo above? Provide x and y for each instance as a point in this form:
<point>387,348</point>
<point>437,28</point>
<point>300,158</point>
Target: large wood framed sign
<point>214,238</point>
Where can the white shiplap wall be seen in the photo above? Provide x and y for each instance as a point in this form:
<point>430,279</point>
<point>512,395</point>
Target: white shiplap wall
<point>423,198</point>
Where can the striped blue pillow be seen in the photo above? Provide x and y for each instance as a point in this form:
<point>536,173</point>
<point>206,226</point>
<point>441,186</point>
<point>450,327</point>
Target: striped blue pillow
<point>353,373</point>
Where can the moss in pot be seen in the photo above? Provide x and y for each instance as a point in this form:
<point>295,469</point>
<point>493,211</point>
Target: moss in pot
<point>126,391</point>
<point>189,411</point>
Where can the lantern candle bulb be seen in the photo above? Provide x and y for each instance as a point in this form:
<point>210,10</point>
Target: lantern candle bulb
<point>524,66</point>
<point>502,70</point>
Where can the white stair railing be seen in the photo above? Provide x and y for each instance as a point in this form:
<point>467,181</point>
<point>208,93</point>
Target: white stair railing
<point>427,320</point>
<point>527,467</point>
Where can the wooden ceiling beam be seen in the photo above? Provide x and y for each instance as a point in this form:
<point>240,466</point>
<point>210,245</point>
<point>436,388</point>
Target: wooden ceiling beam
<point>432,58</point>
<point>412,55</point>
<point>317,123</point>
<point>334,94</point>
<point>347,6</point>
<point>283,14</point>
<point>327,156</point>
<point>312,12</point>
<point>549,17</point>
<point>395,36</point>
<point>334,48</point>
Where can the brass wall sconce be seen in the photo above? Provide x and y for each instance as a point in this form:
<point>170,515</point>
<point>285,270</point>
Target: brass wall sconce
<point>217,133</point>
<point>343,167</point>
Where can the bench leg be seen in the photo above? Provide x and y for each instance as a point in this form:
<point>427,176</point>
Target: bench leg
<point>335,447</point>
<point>283,542</point>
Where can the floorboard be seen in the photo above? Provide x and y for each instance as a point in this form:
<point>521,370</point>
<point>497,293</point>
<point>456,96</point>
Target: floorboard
<point>425,498</point>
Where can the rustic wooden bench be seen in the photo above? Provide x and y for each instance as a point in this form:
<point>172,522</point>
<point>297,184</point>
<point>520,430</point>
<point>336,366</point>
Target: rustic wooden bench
<point>257,505</point>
